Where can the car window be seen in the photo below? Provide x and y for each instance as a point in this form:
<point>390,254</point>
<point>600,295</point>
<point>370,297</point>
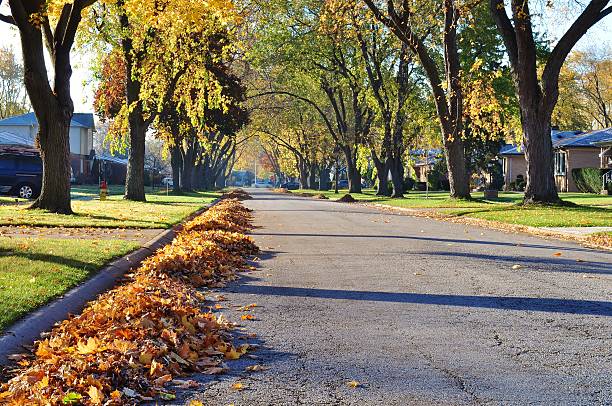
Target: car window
<point>7,162</point>
<point>30,164</point>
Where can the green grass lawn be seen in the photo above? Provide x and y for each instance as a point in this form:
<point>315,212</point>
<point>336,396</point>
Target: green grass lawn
<point>34,271</point>
<point>160,210</point>
<point>592,209</point>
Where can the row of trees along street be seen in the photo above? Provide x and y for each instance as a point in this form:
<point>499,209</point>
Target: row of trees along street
<point>310,82</point>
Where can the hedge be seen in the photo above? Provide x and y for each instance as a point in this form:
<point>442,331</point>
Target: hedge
<point>588,180</point>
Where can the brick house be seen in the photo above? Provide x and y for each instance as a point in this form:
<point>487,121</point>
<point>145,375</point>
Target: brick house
<point>572,149</point>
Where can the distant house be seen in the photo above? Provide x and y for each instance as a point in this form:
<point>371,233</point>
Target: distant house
<point>424,162</point>
<point>22,130</point>
<point>572,149</point>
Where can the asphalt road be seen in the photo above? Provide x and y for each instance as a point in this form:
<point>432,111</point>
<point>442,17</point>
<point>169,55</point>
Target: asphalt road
<point>418,312</point>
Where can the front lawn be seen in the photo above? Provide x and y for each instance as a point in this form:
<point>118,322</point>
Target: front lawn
<point>160,210</point>
<point>593,209</point>
<point>34,271</point>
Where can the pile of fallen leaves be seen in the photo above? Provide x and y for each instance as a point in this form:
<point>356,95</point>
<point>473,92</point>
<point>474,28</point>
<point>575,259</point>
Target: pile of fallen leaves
<point>600,239</point>
<point>135,342</point>
<point>236,194</point>
<point>347,199</point>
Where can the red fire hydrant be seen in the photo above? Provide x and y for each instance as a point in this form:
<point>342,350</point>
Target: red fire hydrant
<point>103,190</point>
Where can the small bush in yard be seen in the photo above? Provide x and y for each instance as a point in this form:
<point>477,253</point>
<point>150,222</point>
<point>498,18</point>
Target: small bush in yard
<point>130,344</point>
<point>587,180</point>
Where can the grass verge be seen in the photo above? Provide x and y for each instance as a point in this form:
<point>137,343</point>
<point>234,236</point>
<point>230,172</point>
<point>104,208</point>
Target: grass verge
<point>591,211</point>
<point>130,344</point>
<point>34,271</point>
<point>160,210</point>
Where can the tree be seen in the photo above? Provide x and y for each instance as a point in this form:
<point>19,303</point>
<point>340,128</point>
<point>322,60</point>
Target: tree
<point>13,96</point>
<point>588,82</point>
<point>445,82</point>
<point>52,102</point>
<point>318,67</point>
<point>160,44</point>
<point>538,93</point>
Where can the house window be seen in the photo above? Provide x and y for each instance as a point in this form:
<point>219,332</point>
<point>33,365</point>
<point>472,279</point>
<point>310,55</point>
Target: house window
<point>560,163</point>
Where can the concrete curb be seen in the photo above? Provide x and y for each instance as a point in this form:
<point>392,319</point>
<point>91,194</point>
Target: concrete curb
<point>29,329</point>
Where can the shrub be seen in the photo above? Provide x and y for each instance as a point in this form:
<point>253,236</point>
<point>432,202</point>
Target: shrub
<point>587,180</point>
<point>409,183</point>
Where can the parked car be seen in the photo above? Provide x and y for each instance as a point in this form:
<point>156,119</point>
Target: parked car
<point>168,182</point>
<point>262,184</point>
<point>20,172</point>
<point>343,184</point>
<point>290,185</point>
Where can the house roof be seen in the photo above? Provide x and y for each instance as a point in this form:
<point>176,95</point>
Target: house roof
<point>83,120</point>
<point>558,138</point>
<point>7,138</point>
<point>587,140</point>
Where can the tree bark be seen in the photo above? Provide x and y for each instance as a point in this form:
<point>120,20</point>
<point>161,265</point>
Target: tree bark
<point>457,170</point>
<point>541,186</point>
<point>176,162</point>
<point>396,167</point>
<point>354,177</point>
<point>324,181</point>
<point>312,176</point>
<point>382,174</point>
<point>55,153</point>
<point>134,181</point>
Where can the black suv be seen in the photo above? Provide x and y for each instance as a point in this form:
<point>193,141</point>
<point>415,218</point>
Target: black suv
<point>20,171</point>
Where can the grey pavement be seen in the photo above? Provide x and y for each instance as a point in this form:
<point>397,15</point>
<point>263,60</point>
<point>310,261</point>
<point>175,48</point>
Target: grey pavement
<point>418,311</point>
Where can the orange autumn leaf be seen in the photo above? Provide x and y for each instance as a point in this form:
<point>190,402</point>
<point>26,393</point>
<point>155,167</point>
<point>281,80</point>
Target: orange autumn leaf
<point>95,395</point>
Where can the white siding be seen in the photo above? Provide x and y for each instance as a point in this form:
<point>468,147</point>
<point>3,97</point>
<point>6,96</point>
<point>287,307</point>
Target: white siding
<point>75,140</point>
<point>81,139</point>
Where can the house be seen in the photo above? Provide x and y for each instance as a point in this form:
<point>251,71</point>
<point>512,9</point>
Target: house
<point>424,162</point>
<point>572,149</point>
<point>22,130</point>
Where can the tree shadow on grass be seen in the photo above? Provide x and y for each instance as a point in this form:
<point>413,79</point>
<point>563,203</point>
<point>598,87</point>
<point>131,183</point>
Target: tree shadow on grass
<point>50,258</point>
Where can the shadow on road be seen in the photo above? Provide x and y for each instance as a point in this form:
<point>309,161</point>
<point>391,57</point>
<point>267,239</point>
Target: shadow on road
<point>433,239</point>
<point>550,264</point>
<point>551,305</point>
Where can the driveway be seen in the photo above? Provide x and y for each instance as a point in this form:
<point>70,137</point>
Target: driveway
<point>417,311</point>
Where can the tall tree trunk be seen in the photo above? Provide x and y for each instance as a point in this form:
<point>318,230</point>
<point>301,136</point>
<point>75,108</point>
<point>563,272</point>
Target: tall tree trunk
<point>457,170</point>
<point>134,181</point>
<point>312,176</point>
<point>324,173</point>
<point>188,167</point>
<point>354,177</point>
<point>541,186</point>
<point>176,162</point>
<point>55,153</point>
<point>396,167</point>
<point>302,168</point>
<point>382,175</point>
